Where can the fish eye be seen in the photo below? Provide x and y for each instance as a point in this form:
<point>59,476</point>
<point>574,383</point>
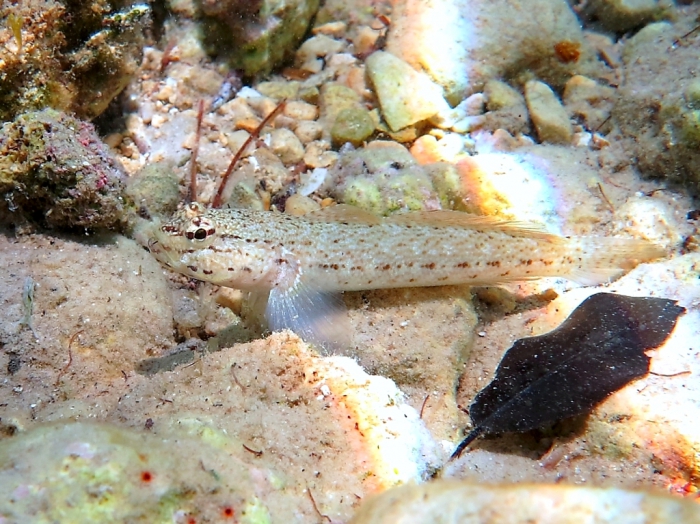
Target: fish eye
<point>200,233</point>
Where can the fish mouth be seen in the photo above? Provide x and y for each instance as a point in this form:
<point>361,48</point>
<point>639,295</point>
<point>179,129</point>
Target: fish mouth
<point>153,245</point>
<point>159,252</point>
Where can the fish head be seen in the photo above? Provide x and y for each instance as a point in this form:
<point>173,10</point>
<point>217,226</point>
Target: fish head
<point>188,229</point>
<point>201,243</point>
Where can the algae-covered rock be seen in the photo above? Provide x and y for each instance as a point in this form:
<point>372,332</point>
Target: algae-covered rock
<point>74,56</point>
<point>383,178</point>
<point>255,36</point>
<point>659,101</point>
<point>55,171</point>
<point>84,473</point>
<point>352,125</point>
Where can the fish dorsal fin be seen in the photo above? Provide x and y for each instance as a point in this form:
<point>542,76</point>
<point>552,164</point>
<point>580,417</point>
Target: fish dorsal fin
<point>343,213</point>
<point>446,218</point>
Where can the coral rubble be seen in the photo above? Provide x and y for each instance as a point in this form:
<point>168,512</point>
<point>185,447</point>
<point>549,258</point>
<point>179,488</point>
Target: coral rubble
<point>55,171</point>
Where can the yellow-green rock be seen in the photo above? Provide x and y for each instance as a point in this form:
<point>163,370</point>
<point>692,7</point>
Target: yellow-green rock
<point>406,96</point>
<point>353,125</point>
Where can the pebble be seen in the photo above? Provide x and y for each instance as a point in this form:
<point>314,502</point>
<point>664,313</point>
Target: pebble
<point>317,154</point>
<point>113,139</point>
<point>301,110</point>
<point>500,95</point>
<point>473,105</point>
<point>237,109</point>
<point>334,99</point>
<point>279,90</point>
<point>286,145</point>
<point>336,28</point>
<point>236,139</point>
<point>365,40</point>
<point>548,115</point>
<point>406,96</point>
<point>263,105</point>
<point>299,205</point>
<point>435,36</point>
<point>310,94</point>
<point>309,53</point>
<point>428,149</point>
<point>308,131</point>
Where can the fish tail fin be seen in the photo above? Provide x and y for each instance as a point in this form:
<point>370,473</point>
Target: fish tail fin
<point>607,258</point>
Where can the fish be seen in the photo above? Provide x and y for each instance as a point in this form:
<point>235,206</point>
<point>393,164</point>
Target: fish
<point>301,264</point>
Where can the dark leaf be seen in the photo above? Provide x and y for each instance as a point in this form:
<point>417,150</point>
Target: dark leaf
<point>596,351</point>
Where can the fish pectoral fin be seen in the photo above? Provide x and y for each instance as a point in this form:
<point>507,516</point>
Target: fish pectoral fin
<point>343,213</point>
<point>318,317</point>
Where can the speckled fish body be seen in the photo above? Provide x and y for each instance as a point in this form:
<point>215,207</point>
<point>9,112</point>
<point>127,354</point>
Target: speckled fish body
<point>342,249</point>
